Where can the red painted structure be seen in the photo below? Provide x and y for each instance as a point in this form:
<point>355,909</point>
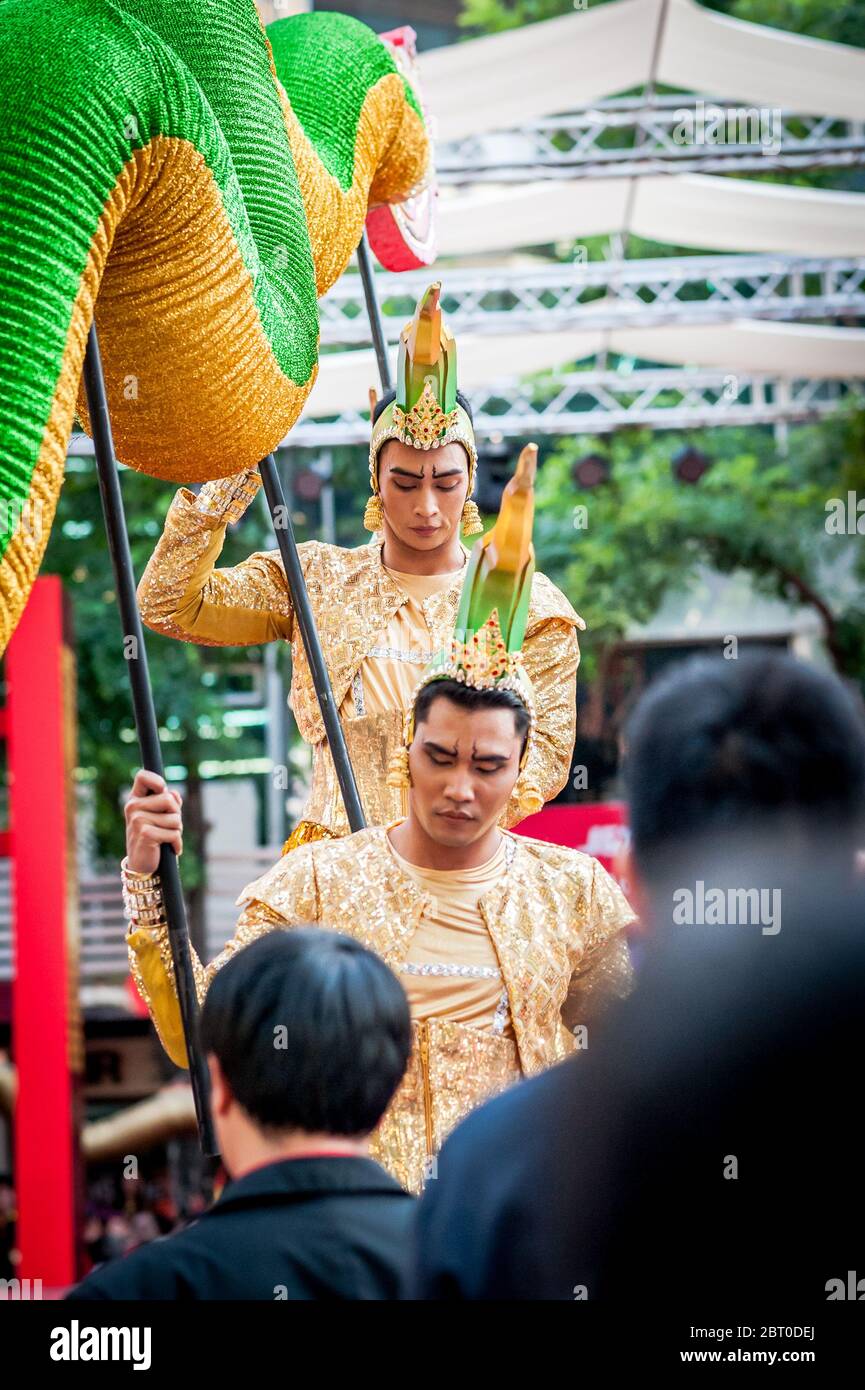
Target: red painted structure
<point>39,722</point>
<point>596,827</point>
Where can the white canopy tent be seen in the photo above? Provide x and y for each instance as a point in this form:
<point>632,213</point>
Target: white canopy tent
<point>791,351</point>
<point>695,210</point>
<point>498,82</point>
<point>503,79</point>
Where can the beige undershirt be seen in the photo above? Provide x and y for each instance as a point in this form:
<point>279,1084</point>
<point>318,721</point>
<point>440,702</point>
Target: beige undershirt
<point>453,933</point>
<point>388,680</point>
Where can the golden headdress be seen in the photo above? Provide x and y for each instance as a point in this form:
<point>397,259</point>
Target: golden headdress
<point>485,650</point>
<point>425,412</point>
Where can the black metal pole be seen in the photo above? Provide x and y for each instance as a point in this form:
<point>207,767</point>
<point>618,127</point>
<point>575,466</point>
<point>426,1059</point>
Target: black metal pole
<point>146,726</point>
<point>281,519</point>
<point>376,328</point>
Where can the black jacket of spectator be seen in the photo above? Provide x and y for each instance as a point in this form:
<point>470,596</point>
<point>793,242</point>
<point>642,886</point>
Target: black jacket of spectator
<point>610,1176</point>
<point>305,1228</point>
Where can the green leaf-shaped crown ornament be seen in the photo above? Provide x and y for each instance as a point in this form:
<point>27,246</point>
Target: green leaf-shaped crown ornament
<point>485,650</point>
<point>425,413</point>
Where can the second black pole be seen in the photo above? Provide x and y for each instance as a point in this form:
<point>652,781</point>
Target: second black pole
<point>312,646</point>
<point>146,726</point>
<point>373,309</point>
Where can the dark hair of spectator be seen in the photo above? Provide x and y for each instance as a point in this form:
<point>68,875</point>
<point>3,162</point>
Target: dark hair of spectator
<point>764,742</point>
<point>312,1031</point>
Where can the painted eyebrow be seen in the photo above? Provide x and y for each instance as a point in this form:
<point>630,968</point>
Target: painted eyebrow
<point>418,477</point>
<point>431,747</point>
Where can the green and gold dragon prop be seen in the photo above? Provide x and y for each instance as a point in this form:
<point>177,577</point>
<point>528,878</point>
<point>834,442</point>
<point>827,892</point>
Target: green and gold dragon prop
<point>194,183</point>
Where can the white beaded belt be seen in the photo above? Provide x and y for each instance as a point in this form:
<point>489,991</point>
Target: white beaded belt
<point>417,658</point>
<point>470,972</point>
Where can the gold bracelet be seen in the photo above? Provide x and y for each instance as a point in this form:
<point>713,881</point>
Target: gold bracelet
<point>145,897</point>
<point>228,498</point>
<point>148,897</point>
<point>141,916</point>
<point>143,903</point>
<point>148,918</point>
<point>135,876</point>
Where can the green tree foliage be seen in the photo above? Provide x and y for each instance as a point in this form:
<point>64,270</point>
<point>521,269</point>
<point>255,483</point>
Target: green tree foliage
<point>494,16</point>
<point>645,533</point>
<point>841,23</point>
<point>187,680</point>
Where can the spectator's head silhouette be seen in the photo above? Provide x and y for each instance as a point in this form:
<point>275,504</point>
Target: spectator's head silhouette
<point>307,1034</point>
<point>720,751</point>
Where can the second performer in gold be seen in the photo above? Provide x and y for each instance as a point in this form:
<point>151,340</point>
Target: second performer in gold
<point>505,945</point>
<point>381,609</point>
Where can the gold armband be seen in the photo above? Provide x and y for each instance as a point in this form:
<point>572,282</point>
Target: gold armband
<point>228,498</point>
<point>143,903</point>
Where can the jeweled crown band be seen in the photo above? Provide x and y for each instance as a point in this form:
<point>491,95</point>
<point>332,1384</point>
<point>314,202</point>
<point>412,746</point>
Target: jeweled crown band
<point>393,423</point>
<point>480,660</point>
<point>426,423</point>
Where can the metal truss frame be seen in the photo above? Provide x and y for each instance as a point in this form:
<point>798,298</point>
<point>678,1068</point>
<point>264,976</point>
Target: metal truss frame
<point>611,294</point>
<point>596,402</point>
<point>629,136</point>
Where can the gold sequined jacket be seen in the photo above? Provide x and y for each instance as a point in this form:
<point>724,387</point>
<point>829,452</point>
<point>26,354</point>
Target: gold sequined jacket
<point>353,599</point>
<point>556,920</point>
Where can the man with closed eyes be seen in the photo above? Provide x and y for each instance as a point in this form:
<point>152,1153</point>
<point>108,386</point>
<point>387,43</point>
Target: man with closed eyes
<point>505,945</point>
<point>382,608</point>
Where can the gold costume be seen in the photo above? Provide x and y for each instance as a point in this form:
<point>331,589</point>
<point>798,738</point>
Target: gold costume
<point>501,961</point>
<point>451,968</point>
<point>554,919</point>
<point>356,601</point>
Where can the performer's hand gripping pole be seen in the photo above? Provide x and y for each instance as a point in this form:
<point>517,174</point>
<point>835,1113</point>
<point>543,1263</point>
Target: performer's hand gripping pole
<point>311,644</point>
<point>146,726</point>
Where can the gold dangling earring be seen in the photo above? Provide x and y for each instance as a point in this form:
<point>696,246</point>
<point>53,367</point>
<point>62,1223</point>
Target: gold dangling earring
<point>398,774</point>
<point>471,518</point>
<point>373,516</point>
